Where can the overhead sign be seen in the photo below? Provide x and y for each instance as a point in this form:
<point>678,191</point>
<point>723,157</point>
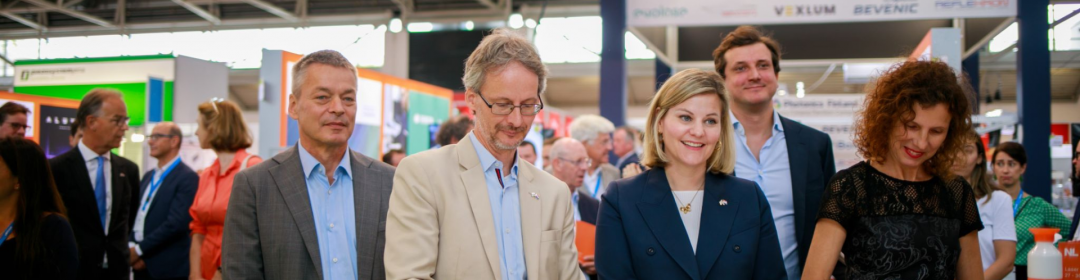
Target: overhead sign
<point>139,78</point>
<point>96,72</point>
<point>833,114</point>
<point>739,12</point>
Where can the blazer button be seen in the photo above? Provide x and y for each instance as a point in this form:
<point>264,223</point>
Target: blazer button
<point>650,251</point>
<point>737,249</point>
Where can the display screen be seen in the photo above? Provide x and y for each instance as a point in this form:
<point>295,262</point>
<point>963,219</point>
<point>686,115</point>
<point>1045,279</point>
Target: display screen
<point>55,128</point>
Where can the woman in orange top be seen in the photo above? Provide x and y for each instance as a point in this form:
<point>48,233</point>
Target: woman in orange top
<point>221,128</point>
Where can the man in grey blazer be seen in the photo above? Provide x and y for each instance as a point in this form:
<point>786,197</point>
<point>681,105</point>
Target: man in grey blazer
<point>292,217</point>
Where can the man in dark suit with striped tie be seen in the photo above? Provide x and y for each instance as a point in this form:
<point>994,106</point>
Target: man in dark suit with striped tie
<point>97,187</point>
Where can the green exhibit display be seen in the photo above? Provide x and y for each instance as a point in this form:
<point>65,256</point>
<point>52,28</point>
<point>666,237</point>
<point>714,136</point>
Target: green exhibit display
<point>149,83</point>
<point>426,112</point>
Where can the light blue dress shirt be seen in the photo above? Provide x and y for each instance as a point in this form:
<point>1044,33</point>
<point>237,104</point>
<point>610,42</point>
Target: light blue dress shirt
<point>574,200</point>
<point>773,174</point>
<point>505,211</point>
<point>335,215</point>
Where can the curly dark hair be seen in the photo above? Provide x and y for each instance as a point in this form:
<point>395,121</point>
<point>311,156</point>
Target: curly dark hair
<point>890,102</point>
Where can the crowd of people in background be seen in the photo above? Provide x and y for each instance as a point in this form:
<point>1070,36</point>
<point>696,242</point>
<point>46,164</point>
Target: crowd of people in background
<point>717,185</point>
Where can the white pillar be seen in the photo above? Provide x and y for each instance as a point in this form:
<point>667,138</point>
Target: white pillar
<point>396,59</point>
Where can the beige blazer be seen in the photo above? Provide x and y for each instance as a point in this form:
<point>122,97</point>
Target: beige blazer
<point>440,225</point>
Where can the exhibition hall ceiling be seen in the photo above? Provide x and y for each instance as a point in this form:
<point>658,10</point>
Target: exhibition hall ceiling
<point>52,18</point>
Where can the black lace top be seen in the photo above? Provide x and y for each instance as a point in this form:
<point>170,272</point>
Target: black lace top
<point>900,229</point>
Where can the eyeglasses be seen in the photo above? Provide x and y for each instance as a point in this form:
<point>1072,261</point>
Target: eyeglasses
<point>18,126</point>
<point>157,136</point>
<point>584,163</point>
<point>507,108</point>
<point>214,101</point>
<point>120,120</point>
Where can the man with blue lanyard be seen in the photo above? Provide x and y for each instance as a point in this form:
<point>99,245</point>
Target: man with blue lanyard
<point>595,133</point>
<point>160,238</point>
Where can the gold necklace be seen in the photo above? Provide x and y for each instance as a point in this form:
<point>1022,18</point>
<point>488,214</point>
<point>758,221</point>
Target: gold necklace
<point>685,209</point>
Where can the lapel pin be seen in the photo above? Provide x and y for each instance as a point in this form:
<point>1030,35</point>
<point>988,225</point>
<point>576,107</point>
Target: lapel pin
<point>723,202</point>
<point>122,175</point>
<point>534,195</point>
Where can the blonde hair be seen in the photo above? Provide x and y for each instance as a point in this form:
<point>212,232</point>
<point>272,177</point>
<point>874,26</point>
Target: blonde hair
<point>679,88</point>
<point>225,123</point>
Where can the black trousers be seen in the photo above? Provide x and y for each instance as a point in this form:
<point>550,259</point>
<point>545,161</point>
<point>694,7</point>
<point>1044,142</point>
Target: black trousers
<point>1021,272</point>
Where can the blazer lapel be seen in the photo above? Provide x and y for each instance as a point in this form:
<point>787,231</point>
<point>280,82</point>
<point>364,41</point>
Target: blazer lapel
<point>659,212</point>
<point>716,221</point>
<point>367,197</point>
<point>289,177</point>
<point>83,189</point>
<point>797,164</point>
<point>472,180</point>
<point>146,181</point>
<point>119,184</point>
<point>531,215</point>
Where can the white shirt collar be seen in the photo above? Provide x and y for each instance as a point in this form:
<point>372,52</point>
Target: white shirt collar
<point>158,170</point>
<point>89,154</point>
<point>737,125</point>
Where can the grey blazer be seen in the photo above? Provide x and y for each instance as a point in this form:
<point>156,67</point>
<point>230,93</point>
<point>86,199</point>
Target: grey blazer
<point>270,230</point>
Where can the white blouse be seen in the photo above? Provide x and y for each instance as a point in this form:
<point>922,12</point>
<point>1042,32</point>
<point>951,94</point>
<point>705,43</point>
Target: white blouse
<point>692,219</point>
<point>997,219</point>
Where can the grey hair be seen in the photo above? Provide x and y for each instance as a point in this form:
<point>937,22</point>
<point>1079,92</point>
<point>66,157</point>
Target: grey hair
<point>325,57</point>
<point>91,104</point>
<point>496,51</point>
<point>586,128</point>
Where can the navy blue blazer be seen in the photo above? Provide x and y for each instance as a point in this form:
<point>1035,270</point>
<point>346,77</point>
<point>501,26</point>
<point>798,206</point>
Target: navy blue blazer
<point>73,184</point>
<point>166,236</point>
<point>810,156</point>
<point>632,159</point>
<point>641,236</point>
<point>589,208</point>
<point>1075,222</point>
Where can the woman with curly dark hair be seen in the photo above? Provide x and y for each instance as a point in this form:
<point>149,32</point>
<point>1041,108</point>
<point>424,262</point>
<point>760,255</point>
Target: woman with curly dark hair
<point>901,213</point>
<point>37,241</point>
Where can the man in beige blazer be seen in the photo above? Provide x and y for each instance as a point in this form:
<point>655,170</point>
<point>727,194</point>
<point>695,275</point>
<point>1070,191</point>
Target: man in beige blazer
<point>472,210</point>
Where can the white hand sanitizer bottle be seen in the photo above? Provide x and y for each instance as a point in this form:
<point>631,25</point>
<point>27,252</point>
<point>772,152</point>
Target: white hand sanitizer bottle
<point>1044,260</point>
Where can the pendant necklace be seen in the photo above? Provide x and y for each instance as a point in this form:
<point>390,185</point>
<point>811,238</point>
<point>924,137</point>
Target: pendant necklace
<point>685,209</point>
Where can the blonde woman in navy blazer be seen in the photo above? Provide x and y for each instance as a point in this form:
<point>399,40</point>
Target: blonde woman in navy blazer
<point>687,217</point>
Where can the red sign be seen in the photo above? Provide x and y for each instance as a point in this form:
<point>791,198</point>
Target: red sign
<point>1061,129</point>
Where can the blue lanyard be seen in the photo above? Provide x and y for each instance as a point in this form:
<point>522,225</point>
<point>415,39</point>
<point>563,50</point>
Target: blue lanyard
<point>596,189</point>
<point>154,186</point>
<point>1016,206</point>
<point>7,232</point>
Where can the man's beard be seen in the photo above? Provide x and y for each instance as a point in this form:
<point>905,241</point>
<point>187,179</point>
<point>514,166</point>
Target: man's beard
<point>498,127</point>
